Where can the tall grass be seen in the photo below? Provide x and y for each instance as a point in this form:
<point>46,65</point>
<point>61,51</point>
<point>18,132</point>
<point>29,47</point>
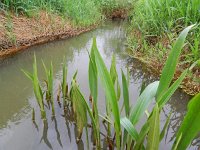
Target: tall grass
<point>158,16</point>
<point>114,4</point>
<point>37,88</point>
<point>158,92</point>
<point>164,19</point>
<point>78,11</point>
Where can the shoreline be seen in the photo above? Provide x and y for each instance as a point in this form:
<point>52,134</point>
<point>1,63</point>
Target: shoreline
<point>186,86</point>
<point>17,33</point>
<point>41,29</point>
<point>5,53</point>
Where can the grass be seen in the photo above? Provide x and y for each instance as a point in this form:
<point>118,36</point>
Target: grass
<point>158,22</point>
<point>161,91</point>
<point>37,88</point>
<point>80,12</point>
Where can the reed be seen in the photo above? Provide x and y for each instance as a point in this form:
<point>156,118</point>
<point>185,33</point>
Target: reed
<point>49,84</point>
<point>64,82</point>
<point>37,88</point>
<point>161,91</point>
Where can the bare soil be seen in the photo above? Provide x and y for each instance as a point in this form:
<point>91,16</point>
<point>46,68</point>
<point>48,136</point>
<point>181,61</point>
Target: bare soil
<point>17,33</point>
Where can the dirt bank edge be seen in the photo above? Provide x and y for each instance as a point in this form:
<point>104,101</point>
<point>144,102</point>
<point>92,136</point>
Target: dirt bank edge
<point>43,39</point>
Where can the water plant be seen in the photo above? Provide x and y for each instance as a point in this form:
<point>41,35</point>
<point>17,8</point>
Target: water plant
<point>64,82</point>
<point>49,84</point>
<point>161,91</point>
<point>36,87</point>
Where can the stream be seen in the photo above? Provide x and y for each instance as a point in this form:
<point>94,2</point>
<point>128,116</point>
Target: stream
<point>17,132</point>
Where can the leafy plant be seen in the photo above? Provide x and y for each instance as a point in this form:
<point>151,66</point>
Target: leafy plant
<point>150,135</point>
<point>37,88</point>
<point>49,84</point>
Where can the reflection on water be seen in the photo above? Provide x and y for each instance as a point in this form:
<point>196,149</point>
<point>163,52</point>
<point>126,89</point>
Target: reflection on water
<point>17,132</point>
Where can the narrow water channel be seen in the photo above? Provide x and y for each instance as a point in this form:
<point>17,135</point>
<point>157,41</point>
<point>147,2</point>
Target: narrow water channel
<point>17,132</point>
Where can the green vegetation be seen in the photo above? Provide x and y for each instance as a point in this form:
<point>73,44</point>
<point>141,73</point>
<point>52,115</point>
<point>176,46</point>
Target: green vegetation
<point>37,88</point>
<point>161,91</point>
<point>80,12</point>
<point>159,21</point>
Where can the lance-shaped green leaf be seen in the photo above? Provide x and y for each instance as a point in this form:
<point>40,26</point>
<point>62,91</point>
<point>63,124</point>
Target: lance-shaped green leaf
<point>125,93</point>
<point>143,133</point>
<point>128,126</point>
<point>114,76</point>
<point>93,84</point>
<point>109,91</point>
<point>75,89</point>
<point>36,87</point>
<point>113,71</point>
<point>49,76</point>
<point>93,81</point>
<point>79,108</point>
<point>170,66</point>
<point>143,102</point>
<point>64,80</point>
<point>170,91</point>
<point>154,130</point>
<point>162,134</point>
<point>190,126</point>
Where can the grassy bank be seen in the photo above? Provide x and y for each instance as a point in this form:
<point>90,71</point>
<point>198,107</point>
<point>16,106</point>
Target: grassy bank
<point>25,23</point>
<point>155,25</point>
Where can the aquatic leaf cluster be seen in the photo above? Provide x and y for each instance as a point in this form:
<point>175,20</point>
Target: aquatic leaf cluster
<point>157,94</point>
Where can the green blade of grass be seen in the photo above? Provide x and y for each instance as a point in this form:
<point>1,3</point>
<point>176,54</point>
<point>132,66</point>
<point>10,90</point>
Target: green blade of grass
<point>128,126</point>
<point>190,126</point>
<point>175,146</point>
<point>143,133</point>
<point>64,82</point>
<point>143,102</point>
<point>170,66</point>
<point>77,91</point>
<point>79,108</point>
<point>113,71</point>
<point>109,91</point>
<point>154,130</point>
<point>125,93</point>
<point>170,91</point>
<point>162,134</point>
<point>28,74</point>
<point>114,76</point>
<point>93,81</point>
<point>93,84</point>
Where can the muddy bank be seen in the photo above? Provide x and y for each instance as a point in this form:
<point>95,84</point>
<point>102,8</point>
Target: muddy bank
<point>17,33</point>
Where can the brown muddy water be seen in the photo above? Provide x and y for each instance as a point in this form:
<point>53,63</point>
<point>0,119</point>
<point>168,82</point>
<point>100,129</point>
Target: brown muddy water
<point>17,132</point>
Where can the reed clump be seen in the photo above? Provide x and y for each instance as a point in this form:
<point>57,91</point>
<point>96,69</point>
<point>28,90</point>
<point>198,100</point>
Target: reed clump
<point>125,135</point>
